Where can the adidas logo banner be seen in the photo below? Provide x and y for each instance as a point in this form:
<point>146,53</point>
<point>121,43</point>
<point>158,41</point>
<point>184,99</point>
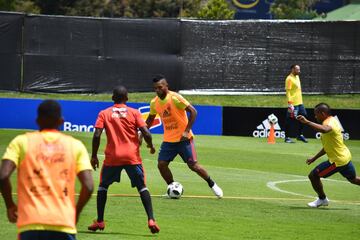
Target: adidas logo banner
<point>263,130</point>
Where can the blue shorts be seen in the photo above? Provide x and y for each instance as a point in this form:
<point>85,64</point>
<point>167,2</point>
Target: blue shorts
<point>45,235</point>
<point>326,169</point>
<point>110,174</point>
<point>186,150</point>
<point>298,110</point>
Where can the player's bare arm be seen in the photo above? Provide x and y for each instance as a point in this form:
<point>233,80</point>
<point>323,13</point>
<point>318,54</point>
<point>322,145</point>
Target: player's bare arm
<point>6,169</point>
<point>148,138</point>
<point>87,187</point>
<point>150,119</point>
<point>192,117</point>
<point>315,126</point>
<point>95,147</point>
<point>318,155</point>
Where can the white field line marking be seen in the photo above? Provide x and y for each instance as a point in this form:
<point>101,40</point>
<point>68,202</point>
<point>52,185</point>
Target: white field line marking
<point>272,186</point>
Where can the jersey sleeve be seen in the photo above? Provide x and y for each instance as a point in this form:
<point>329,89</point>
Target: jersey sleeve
<point>100,121</point>
<point>331,123</point>
<point>139,120</point>
<point>152,107</point>
<point>180,102</point>
<point>288,86</point>
<point>81,156</point>
<point>15,151</point>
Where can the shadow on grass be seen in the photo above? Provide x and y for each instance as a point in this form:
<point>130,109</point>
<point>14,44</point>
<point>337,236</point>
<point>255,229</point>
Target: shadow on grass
<point>116,233</point>
<point>318,209</point>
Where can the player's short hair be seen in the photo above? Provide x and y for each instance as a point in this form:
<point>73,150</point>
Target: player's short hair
<point>49,109</point>
<point>323,107</point>
<point>158,78</point>
<point>120,94</point>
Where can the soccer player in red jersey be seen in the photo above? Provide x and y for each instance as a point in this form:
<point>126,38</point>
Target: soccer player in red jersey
<point>122,152</point>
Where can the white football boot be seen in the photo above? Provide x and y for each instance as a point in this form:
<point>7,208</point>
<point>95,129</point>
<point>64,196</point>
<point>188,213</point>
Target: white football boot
<point>318,203</point>
<point>217,191</point>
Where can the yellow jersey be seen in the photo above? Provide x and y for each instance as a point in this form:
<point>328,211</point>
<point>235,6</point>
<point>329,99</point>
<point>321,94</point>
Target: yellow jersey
<point>333,143</point>
<point>39,157</point>
<point>293,90</point>
<point>172,112</point>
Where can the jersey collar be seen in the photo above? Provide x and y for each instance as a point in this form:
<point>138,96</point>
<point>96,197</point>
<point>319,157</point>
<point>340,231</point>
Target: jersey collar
<point>119,105</point>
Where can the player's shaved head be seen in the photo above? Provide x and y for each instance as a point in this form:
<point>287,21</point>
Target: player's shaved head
<point>158,78</point>
<point>160,86</point>
<point>49,109</point>
<point>323,107</point>
<point>49,115</point>
<point>120,94</point>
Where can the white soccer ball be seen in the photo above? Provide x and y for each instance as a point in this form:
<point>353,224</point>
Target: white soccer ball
<point>175,190</point>
<point>272,119</point>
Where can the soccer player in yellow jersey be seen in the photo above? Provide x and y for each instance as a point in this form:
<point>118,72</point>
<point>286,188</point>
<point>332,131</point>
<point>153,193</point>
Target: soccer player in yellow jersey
<point>48,163</point>
<point>178,137</point>
<point>339,156</point>
<point>295,104</point>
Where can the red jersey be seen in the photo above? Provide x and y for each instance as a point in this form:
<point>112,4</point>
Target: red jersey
<point>121,123</point>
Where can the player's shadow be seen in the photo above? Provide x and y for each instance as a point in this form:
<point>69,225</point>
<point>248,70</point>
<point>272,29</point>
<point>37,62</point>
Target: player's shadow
<point>318,209</point>
<point>116,233</point>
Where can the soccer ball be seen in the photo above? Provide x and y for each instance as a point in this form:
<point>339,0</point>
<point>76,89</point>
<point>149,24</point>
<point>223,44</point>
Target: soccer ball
<point>175,190</point>
<point>272,119</point>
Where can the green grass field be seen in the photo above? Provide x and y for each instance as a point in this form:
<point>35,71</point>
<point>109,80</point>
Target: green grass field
<point>346,101</point>
<point>265,188</point>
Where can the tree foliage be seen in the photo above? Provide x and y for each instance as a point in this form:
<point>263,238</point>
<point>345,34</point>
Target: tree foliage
<point>216,10</point>
<point>54,7</point>
<point>160,8</point>
<point>27,6</point>
<point>293,9</point>
<point>7,5</point>
<point>106,8</point>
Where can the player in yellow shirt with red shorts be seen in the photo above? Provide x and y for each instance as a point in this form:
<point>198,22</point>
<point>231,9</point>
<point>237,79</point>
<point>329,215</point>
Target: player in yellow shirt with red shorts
<point>339,156</point>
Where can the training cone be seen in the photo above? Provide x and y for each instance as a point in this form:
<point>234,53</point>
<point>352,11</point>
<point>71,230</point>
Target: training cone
<point>271,137</point>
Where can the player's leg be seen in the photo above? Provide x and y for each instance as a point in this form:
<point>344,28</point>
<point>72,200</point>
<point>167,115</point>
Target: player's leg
<point>348,171</point>
<point>165,171</point>
<point>167,153</point>
<point>108,175</point>
<point>301,111</point>
<point>288,122</point>
<point>188,154</point>
<point>324,169</point>
<point>317,185</point>
<point>137,176</point>
<point>355,180</point>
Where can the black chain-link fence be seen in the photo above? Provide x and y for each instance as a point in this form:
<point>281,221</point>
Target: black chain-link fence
<point>70,54</point>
